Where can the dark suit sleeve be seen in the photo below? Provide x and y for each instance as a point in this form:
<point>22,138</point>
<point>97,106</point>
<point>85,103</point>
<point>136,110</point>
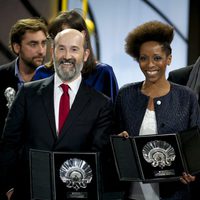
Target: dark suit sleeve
<point>103,127</point>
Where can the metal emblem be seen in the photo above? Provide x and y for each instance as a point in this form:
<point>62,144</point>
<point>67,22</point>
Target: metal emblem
<point>75,173</point>
<point>10,96</point>
<point>159,153</point>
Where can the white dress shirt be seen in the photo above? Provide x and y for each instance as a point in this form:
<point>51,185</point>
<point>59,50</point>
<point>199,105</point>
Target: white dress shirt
<point>73,89</point>
<point>139,190</point>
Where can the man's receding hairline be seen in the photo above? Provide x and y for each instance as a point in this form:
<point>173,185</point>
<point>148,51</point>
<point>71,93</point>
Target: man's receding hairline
<point>66,31</point>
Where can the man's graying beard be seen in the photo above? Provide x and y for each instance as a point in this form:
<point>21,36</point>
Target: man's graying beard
<point>69,74</point>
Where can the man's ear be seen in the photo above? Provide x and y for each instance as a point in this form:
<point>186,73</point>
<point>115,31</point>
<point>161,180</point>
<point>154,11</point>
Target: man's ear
<point>16,48</point>
<point>86,54</point>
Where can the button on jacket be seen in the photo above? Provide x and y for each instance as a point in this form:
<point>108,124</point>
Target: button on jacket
<point>176,111</point>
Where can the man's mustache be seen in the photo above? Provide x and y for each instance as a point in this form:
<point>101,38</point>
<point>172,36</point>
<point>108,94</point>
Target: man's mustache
<point>64,61</point>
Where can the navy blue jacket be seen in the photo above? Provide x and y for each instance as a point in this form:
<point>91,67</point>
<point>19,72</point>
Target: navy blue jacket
<point>176,111</point>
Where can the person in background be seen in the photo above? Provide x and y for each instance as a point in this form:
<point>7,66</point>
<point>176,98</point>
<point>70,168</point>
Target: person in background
<point>95,74</point>
<point>189,76</point>
<point>27,39</point>
<point>155,105</point>
<point>85,129</point>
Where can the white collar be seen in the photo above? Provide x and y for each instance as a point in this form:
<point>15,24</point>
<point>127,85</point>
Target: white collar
<point>74,85</point>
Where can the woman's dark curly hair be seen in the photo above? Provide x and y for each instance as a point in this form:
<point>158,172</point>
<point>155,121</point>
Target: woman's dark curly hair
<point>149,31</point>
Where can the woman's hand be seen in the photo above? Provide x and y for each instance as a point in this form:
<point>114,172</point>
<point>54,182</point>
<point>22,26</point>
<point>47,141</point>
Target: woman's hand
<point>10,193</point>
<point>187,178</point>
<point>124,134</point>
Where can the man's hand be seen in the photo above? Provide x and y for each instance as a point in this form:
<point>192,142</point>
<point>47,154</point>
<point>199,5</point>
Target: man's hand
<point>124,134</point>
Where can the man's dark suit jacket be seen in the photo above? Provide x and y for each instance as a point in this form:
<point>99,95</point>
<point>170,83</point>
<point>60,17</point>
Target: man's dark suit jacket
<point>7,79</point>
<point>180,76</point>
<point>31,124</point>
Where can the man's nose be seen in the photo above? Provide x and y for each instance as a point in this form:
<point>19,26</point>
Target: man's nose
<point>42,49</point>
<point>67,55</point>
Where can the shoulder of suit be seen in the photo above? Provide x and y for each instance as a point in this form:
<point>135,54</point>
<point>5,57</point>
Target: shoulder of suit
<point>94,92</point>
<point>7,66</point>
<point>39,83</point>
<point>182,70</point>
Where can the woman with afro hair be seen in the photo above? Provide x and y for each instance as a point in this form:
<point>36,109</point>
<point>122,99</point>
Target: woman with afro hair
<point>155,105</point>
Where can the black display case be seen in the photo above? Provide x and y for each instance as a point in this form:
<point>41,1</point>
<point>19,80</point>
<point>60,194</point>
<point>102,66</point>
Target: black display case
<point>157,158</point>
<point>64,175</point>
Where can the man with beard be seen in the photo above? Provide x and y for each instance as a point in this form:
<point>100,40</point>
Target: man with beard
<point>27,39</point>
<point>33,120</point>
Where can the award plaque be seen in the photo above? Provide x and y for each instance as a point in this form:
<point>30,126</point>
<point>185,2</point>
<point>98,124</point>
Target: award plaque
<point>160,157</point>
<point>157,158</point>
<point>64,176</point>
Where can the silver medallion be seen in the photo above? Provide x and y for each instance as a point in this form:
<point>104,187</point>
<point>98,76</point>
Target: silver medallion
<point>75,173</point>
<point>159,153</point>
<point>10,96</point>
